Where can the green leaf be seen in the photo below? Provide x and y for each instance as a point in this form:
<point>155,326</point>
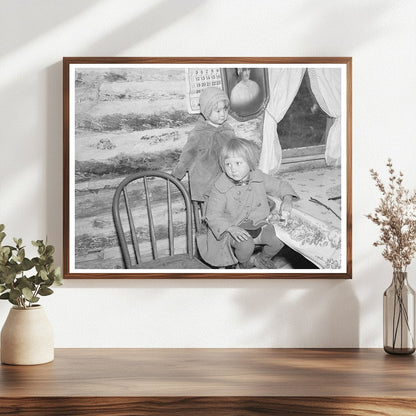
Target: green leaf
<point>32,279</point>
<point>49,250</point>
<point>21,255</point>
<point>27,293</point>
<point>7,297</point>
<point>43,274</point>
<point>2,288</point>
<point>26,264</point>
<point>3,270</point>
<point>3,259</point>
<point>56,276</point>
<point>49,282</point>
<point>1,227</point>
<point>45,291</point>
<point>18,242</point>
<point>15,259</point>
<point>14,302</point>
<point>8,277</point>
<point>37,280</point>
<point>15,294</point>
<point>2,236</point>
<point>24,282</point>
<point>5,250</point>
<point>5,254</point>
<point>46,260</point>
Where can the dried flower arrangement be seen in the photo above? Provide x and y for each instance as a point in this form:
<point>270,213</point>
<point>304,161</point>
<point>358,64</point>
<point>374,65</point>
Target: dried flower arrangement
<point>396,216</point>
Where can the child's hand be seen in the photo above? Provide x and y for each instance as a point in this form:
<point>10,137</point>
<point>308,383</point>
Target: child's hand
<point>285,210</point>
<point>286,205</point>
<point>239,234</point>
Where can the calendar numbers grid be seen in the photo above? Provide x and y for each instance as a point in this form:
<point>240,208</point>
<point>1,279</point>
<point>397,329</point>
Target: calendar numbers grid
<point>198,79</point>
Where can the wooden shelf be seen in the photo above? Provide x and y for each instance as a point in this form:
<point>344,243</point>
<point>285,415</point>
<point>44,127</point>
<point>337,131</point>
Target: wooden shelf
<point>212,382</point>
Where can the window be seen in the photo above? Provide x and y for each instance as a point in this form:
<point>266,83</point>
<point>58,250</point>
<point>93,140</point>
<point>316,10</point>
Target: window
<point>303,129</point>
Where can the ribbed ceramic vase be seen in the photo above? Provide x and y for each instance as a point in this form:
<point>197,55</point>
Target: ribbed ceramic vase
<point>27,337</point>
<point>399,316</point>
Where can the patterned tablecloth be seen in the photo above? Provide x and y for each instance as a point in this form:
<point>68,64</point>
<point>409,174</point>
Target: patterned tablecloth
<point>313,229</point>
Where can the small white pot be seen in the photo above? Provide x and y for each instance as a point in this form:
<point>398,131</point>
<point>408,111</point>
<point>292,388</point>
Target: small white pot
<point>27,337</point>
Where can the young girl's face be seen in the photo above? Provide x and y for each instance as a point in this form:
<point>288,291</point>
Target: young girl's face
<point>219,113</point>
<point>236,168</point>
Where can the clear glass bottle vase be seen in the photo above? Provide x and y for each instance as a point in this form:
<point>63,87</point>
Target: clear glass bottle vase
<point>399,316</point>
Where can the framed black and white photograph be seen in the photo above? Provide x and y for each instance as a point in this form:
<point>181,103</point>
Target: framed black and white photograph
<point>248,90</point>
<point>207,167</point>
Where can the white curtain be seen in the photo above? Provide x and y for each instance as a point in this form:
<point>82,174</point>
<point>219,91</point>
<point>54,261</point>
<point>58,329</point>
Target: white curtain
<point>284,84</point>
<point>326,86</point>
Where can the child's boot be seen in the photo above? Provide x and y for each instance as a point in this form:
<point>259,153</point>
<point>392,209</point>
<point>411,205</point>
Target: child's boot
<point>261,261</point>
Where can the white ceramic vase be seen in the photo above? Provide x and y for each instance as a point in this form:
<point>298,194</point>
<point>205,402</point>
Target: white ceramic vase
<point>27,337</point>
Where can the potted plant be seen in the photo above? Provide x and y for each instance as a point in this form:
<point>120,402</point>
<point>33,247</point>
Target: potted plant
<point>396,217</point>
<point>27,336</point>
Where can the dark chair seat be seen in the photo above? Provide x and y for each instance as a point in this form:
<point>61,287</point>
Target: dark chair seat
<point>178,261</point>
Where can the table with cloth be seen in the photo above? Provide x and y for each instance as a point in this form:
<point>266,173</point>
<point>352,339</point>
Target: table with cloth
<point>314,228</point>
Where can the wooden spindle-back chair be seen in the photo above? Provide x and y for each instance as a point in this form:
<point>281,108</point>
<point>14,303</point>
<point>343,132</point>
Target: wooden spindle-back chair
<point>139,204</point>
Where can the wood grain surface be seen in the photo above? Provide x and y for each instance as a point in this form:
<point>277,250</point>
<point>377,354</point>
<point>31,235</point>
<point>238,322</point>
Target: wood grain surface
<point>212,382</point>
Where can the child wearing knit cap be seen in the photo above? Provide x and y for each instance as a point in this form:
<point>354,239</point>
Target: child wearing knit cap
<point>199,156</point>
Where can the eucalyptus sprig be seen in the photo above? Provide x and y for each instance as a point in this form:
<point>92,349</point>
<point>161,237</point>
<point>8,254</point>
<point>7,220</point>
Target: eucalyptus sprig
<point>24,280</point>
<point>396,217</point>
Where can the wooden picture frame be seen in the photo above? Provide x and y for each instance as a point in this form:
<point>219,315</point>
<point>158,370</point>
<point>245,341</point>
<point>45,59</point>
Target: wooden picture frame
<point>128,116</point>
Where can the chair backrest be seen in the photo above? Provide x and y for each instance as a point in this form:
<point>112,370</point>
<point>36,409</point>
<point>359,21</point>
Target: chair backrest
<point>151,201</point>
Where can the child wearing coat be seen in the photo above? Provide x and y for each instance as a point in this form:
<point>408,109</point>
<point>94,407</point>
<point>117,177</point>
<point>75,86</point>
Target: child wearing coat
<point>200,154</point>
<point>237,211</point>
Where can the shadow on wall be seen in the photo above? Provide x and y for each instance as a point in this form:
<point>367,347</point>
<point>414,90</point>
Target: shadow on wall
<point>40,17</point>
<point>162,15</point>
<point>351,24</point>
<point>300,313</point>
<point>147,24</point>
<point>54,168</point>
<point>37,18</point>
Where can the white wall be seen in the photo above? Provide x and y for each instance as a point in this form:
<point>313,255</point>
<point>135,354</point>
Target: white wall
<point>380,35</point>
